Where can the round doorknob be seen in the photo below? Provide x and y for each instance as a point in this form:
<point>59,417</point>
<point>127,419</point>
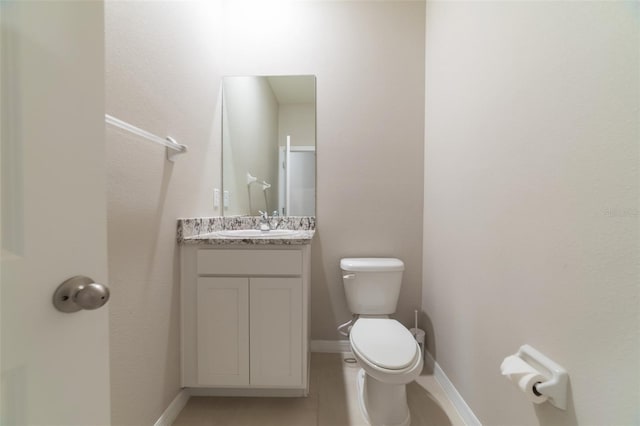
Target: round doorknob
<point>92,296</point>
<point>78,293</point>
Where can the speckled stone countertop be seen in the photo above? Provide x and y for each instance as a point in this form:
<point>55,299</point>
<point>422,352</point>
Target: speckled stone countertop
<point>201,231</point>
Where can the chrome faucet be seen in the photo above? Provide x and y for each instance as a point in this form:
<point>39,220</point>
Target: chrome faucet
<point>264,221</point>
<point>275,222</point>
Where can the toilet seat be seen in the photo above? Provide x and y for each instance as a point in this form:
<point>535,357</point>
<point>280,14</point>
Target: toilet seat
<point>384,344</point>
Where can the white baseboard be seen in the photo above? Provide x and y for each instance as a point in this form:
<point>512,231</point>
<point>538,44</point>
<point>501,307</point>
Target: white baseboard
<point>248,392</point>
<point>330,346</point>
<point>454,396</point>
<point>171,413</point>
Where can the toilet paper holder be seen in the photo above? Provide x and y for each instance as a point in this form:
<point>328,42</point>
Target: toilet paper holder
<point>555,388</point>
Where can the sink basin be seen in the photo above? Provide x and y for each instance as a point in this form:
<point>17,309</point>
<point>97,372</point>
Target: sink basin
<point>255,233</point>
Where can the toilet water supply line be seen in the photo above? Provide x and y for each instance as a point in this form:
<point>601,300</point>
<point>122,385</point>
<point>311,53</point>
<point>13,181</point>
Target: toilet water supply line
<point>347,325</point>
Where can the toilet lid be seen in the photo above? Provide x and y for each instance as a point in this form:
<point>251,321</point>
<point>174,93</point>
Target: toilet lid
<point>384,342</point>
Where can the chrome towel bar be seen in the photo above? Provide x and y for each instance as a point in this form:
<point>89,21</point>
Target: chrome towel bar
<point>173,147</point>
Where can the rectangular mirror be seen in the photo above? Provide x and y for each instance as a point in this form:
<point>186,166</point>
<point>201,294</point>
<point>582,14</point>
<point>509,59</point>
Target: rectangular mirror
<point>269,145</point>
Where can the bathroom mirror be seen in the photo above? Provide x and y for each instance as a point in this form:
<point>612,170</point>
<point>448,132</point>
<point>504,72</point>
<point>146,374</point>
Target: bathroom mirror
<point>269,145</point>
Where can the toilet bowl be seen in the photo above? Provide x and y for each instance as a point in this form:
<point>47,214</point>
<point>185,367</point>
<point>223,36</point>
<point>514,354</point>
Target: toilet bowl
<point>386,351</point>
<point>389,358</point>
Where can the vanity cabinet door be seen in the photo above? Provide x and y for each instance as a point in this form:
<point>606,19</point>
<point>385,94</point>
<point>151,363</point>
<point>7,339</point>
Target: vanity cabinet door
<point>223,331</point>
<point>276,331</point>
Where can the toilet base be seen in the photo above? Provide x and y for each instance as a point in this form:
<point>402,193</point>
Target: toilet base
<point>382,404</point>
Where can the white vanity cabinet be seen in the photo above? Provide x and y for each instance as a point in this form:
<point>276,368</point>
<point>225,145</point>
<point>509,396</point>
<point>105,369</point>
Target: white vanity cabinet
<point>245,316</point>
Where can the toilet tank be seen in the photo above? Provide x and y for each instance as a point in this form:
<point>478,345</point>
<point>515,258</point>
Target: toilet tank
<point>372,285</point>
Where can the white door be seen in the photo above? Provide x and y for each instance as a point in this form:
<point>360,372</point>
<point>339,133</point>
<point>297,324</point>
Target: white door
<point>54,365</point>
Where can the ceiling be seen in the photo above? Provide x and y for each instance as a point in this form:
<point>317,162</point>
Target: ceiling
<point>293,89</point>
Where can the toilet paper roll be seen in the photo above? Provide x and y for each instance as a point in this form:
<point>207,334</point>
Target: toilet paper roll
<point>524,376</point>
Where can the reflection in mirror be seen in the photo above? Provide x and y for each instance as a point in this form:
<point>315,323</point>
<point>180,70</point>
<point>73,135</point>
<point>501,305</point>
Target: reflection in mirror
<point>269,145</point>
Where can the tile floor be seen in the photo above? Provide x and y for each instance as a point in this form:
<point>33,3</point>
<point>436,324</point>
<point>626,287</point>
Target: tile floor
<point>331,402</point>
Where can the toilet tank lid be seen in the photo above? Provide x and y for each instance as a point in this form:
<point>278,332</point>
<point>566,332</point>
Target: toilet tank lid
<point>371,264</point>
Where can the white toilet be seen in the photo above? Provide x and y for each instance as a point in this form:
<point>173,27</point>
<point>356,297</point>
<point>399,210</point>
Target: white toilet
<point>387,352</point>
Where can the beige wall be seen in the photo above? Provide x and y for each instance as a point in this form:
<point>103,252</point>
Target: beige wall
<point>299,122</point>
<point>531,202</point>
<point>368,58</point>
<point>164,62</point>
<point>161,76</point>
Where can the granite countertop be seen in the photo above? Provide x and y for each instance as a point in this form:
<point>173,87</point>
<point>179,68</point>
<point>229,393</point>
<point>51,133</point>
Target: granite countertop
<point>207,231</point>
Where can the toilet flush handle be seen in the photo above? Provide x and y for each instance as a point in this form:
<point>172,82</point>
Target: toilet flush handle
<point>348,276</point>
